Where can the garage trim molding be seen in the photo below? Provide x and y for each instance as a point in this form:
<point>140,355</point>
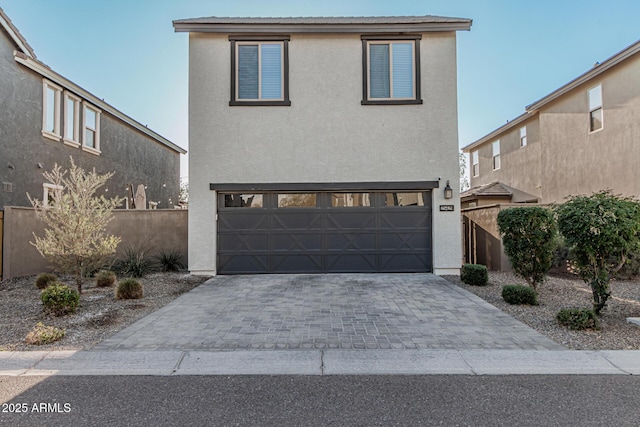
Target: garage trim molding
<point>326,187</point>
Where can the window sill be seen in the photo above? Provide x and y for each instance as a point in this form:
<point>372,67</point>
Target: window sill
<point>91,150</point>
<point>286,103</point>
<point>51,135</point>
<point>71,143</point>
<point>391,102</point>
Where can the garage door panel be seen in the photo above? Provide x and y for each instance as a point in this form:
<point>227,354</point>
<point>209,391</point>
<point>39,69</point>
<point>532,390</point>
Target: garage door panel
<point>245,264</point>
<point>405,218</point>
<point>353,220</point>
<point>297,263</point>
<point>401,241</point>
<point>401,263</point>
<point>243,242</point>
<point>301,220</point>
<point>346,263</point>
<point>296,241</point>
<point>243,221</point>
<point>351,242</point>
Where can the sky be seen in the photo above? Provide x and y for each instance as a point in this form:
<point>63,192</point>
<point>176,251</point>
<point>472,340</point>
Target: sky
<point>127,53</point>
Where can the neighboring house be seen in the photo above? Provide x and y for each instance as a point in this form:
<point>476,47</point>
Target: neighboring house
<point>580,139</point>
<point>323,144</point>
<point>45,119</point>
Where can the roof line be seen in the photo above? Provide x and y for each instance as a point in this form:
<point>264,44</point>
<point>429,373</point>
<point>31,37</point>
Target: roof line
<point>15,35</point>
<point>492,135</point>
<point>594,72</point>
<point>47,72</point>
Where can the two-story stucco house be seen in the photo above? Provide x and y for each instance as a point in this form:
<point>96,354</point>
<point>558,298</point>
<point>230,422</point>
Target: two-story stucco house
<point>580,139</point>
<point>323,144</point>
<point>46,119</point>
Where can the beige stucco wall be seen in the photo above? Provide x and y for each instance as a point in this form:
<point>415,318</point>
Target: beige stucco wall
<point>150,229</point>
<point>326,135</point>
<point>578,162</point>
<point>520,167</point>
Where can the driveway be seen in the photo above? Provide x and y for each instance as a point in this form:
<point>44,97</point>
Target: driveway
<point>332,311</point>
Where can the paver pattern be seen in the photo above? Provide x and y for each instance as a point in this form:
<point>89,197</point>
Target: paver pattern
<point>333,311</point>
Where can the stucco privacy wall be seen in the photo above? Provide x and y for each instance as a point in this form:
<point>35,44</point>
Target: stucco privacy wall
<point>150,229</point>
<point>326,135</point>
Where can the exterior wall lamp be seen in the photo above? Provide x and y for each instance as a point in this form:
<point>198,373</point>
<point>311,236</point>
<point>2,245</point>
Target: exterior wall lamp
<point>448,192</point>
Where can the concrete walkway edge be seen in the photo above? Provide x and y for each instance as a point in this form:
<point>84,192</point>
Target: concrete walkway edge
<point>322,362</point>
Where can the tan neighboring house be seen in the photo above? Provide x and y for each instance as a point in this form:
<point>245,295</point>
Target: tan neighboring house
<point>582,138</point>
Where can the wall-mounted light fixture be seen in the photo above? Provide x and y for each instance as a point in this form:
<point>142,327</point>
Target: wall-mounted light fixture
<point>448,192</point>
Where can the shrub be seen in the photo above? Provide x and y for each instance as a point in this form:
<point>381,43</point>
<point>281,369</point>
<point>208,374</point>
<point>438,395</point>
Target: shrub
<point>474,274</point>
<point>45,279</point>
<point>135,263</point>
<point>129,289</point>
<point>105,278</point>
<point>59,299</point>
<point>602,230</point>
<point>578,318</point>
<point>42,334</point>
<point>519,294</point>
<point>529,238</point>
<point>170,260</point>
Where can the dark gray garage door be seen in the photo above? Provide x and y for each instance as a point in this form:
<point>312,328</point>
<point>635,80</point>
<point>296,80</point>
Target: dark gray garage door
<point>322,232</point>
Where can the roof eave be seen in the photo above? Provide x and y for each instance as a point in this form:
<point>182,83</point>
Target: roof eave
<point>15,35</point>
<point>498,132</point>
<point>192,27</point>
<point>47,72</point>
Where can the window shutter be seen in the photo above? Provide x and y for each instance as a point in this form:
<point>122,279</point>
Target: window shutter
<point>271,68</point>
<point>379,71</point>
<point>402,54</point>
<point>248,72</point>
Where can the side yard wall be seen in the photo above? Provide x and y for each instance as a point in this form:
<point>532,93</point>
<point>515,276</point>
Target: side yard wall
<point>150,229</point>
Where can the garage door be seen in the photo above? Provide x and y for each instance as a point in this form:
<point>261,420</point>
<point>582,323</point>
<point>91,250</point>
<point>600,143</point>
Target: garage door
<point>324,232</point>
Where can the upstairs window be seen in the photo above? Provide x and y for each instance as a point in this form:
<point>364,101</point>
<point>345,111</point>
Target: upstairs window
<point>260,72</point>
<point>71,120</point>
<point>391,70</point>
<point>475,168</point>
<point>595,108</point>
<point>496,154</point>
<point>51,110</point>
<point>523,136</point>
<point>91,119</point>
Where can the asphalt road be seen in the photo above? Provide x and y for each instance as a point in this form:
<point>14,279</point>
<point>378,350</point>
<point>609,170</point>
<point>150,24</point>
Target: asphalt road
<point>450,400</point>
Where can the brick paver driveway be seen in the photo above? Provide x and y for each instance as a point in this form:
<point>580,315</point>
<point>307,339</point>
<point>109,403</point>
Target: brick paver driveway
<point>334,311</point>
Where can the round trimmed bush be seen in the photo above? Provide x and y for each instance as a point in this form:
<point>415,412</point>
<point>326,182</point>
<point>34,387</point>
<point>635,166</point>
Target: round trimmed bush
<point>59,299</point>
<point>105,278</point>
<point>129,289</point>
<point>474,274</point>
<point>519,294</point>
<point>45,279</point>
<point>578,318</point>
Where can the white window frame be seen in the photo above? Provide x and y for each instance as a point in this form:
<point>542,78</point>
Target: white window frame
<point>47,189</point>
<point>495,159</point>
<point>475,165</point>
<point>596,107</point>
<point>72,139</point>
<point>57,91</point>
<point>237,76</point>
<point>96,149</point>
<point>523,136</point>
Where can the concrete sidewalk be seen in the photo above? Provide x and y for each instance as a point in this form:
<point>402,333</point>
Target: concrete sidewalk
<point>321,362</point>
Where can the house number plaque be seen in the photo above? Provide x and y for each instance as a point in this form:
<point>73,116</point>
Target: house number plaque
<point>446,208</point>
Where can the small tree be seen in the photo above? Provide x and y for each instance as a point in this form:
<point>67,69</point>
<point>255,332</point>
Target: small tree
<point>75,239</point>
<point>601,230</point>
<point>464,180</point>
<point>529,238</point>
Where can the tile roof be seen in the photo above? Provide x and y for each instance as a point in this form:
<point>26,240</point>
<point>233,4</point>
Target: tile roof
<point>12,31</point>
<point>499,189</point>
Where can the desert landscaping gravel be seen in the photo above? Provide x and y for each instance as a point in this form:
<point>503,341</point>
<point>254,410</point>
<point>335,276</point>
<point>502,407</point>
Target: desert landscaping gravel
<point>100,315</point>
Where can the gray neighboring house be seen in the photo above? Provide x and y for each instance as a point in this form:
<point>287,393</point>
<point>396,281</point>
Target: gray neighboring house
<point>45,119</point>
<point>323,145</point>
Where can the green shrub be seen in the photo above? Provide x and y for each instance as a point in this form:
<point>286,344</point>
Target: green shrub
<point>170,260</point>
<point>42,334</point>
<point>519,294</point>
<point>529,238</point>
<point>474,274</point>
<point>45,279</point>
<point>135,262</point>
<point>105,278</point>
<point>129,289</point>
<point>578,318</point>
<point>59,299</point>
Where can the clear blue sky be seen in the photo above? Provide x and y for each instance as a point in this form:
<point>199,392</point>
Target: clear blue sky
<point>126,51</point>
